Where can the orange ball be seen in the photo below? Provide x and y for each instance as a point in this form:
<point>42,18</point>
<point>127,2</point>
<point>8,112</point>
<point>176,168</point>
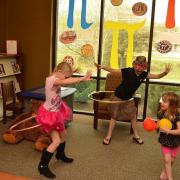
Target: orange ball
<point>149,124</point>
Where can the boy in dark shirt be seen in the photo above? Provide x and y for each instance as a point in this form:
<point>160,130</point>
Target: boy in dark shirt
<point>131,80</point>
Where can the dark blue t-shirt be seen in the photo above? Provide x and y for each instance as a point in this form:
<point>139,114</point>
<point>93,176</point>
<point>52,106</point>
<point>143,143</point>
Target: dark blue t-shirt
<point>130,83</point>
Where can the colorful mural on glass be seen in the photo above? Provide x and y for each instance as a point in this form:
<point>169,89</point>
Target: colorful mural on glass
<point>138,9</point>
<point>170,18</point>
<point>84,24</point>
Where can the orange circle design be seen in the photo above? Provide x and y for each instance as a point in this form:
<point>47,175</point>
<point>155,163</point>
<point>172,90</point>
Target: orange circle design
<point>139,9</point>
<point>67,37</point>
<point>116,2</point>
<point>87,50</point>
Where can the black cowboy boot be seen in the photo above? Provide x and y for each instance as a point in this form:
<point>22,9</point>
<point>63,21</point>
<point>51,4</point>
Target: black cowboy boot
<point>60,155</point>
<point>43,165</point>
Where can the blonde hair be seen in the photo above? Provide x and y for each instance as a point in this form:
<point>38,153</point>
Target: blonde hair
<point>63,67</point>
<point>173,109</point>
<point>140,60</point>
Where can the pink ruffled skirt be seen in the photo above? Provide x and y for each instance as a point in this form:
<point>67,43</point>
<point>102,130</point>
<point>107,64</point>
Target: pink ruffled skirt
<point>50,120</point>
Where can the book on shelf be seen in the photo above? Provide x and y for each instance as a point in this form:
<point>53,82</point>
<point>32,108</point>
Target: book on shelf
<point>9,67</point>
<point>2,71</point>
<point>15,66</point>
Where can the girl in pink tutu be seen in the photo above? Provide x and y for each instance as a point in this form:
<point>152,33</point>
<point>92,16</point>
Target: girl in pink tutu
<point>53,114</point>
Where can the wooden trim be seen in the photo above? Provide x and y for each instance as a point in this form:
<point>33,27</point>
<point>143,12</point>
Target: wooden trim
<point>54,33</point>
<point>5,55</point>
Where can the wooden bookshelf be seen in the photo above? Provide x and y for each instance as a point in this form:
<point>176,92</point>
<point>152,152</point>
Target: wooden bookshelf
<point>11,69</point>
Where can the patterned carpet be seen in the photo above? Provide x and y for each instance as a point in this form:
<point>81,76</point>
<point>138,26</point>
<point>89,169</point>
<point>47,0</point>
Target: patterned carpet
<point>123,159</point>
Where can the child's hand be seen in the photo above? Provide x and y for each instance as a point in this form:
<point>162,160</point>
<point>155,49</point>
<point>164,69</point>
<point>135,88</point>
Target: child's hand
<point>164,130</point>
<point>98,65</point>
<point>168,68</point>
<point>157,126</point>
<point>88,75</point>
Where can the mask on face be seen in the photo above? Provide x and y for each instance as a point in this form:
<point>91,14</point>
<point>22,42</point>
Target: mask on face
<point>140,66</point>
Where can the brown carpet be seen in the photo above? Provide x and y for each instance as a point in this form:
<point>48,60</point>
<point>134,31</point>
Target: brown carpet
<point>121,160</point>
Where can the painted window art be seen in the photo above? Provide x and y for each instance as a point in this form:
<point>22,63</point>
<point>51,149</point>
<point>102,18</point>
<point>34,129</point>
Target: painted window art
<point>114,32</point>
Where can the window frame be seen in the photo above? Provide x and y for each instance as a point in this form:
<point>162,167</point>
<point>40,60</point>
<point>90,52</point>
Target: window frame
<point>98,77</point>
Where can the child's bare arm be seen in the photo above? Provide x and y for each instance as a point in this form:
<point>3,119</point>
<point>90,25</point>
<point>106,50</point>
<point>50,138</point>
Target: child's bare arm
<point>173,132</point>
<point>157,124</point>
<point>73,80</point>
<point>168,68</point>
<point>111,70</point>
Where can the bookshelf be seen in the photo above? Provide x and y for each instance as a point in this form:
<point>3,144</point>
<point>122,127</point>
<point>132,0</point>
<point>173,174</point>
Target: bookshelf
<point>11,69</point>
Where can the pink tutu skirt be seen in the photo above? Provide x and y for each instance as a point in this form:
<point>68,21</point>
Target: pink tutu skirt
<point>50,120</point>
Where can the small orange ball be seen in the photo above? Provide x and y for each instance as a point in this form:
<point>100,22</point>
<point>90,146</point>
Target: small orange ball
<point>149,124</point>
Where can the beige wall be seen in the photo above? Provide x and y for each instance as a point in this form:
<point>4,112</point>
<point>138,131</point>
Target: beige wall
<point>29,22</point>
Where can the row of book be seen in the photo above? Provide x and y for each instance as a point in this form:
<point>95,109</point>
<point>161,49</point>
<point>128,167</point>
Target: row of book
<point>14,66</point>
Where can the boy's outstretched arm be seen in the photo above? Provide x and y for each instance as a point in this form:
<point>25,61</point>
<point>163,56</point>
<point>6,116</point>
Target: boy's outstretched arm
<point>111,70</point>
<point>168,68</point>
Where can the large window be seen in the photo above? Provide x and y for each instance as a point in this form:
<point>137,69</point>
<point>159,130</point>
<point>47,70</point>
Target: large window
<point>166,35</point>
<point>128,30</point>
<point>126,35</point>
<point>165,49</point>
<point>78,35</point>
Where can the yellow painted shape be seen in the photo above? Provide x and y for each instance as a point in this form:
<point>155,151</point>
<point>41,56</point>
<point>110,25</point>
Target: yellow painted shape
<point>115,27</point>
